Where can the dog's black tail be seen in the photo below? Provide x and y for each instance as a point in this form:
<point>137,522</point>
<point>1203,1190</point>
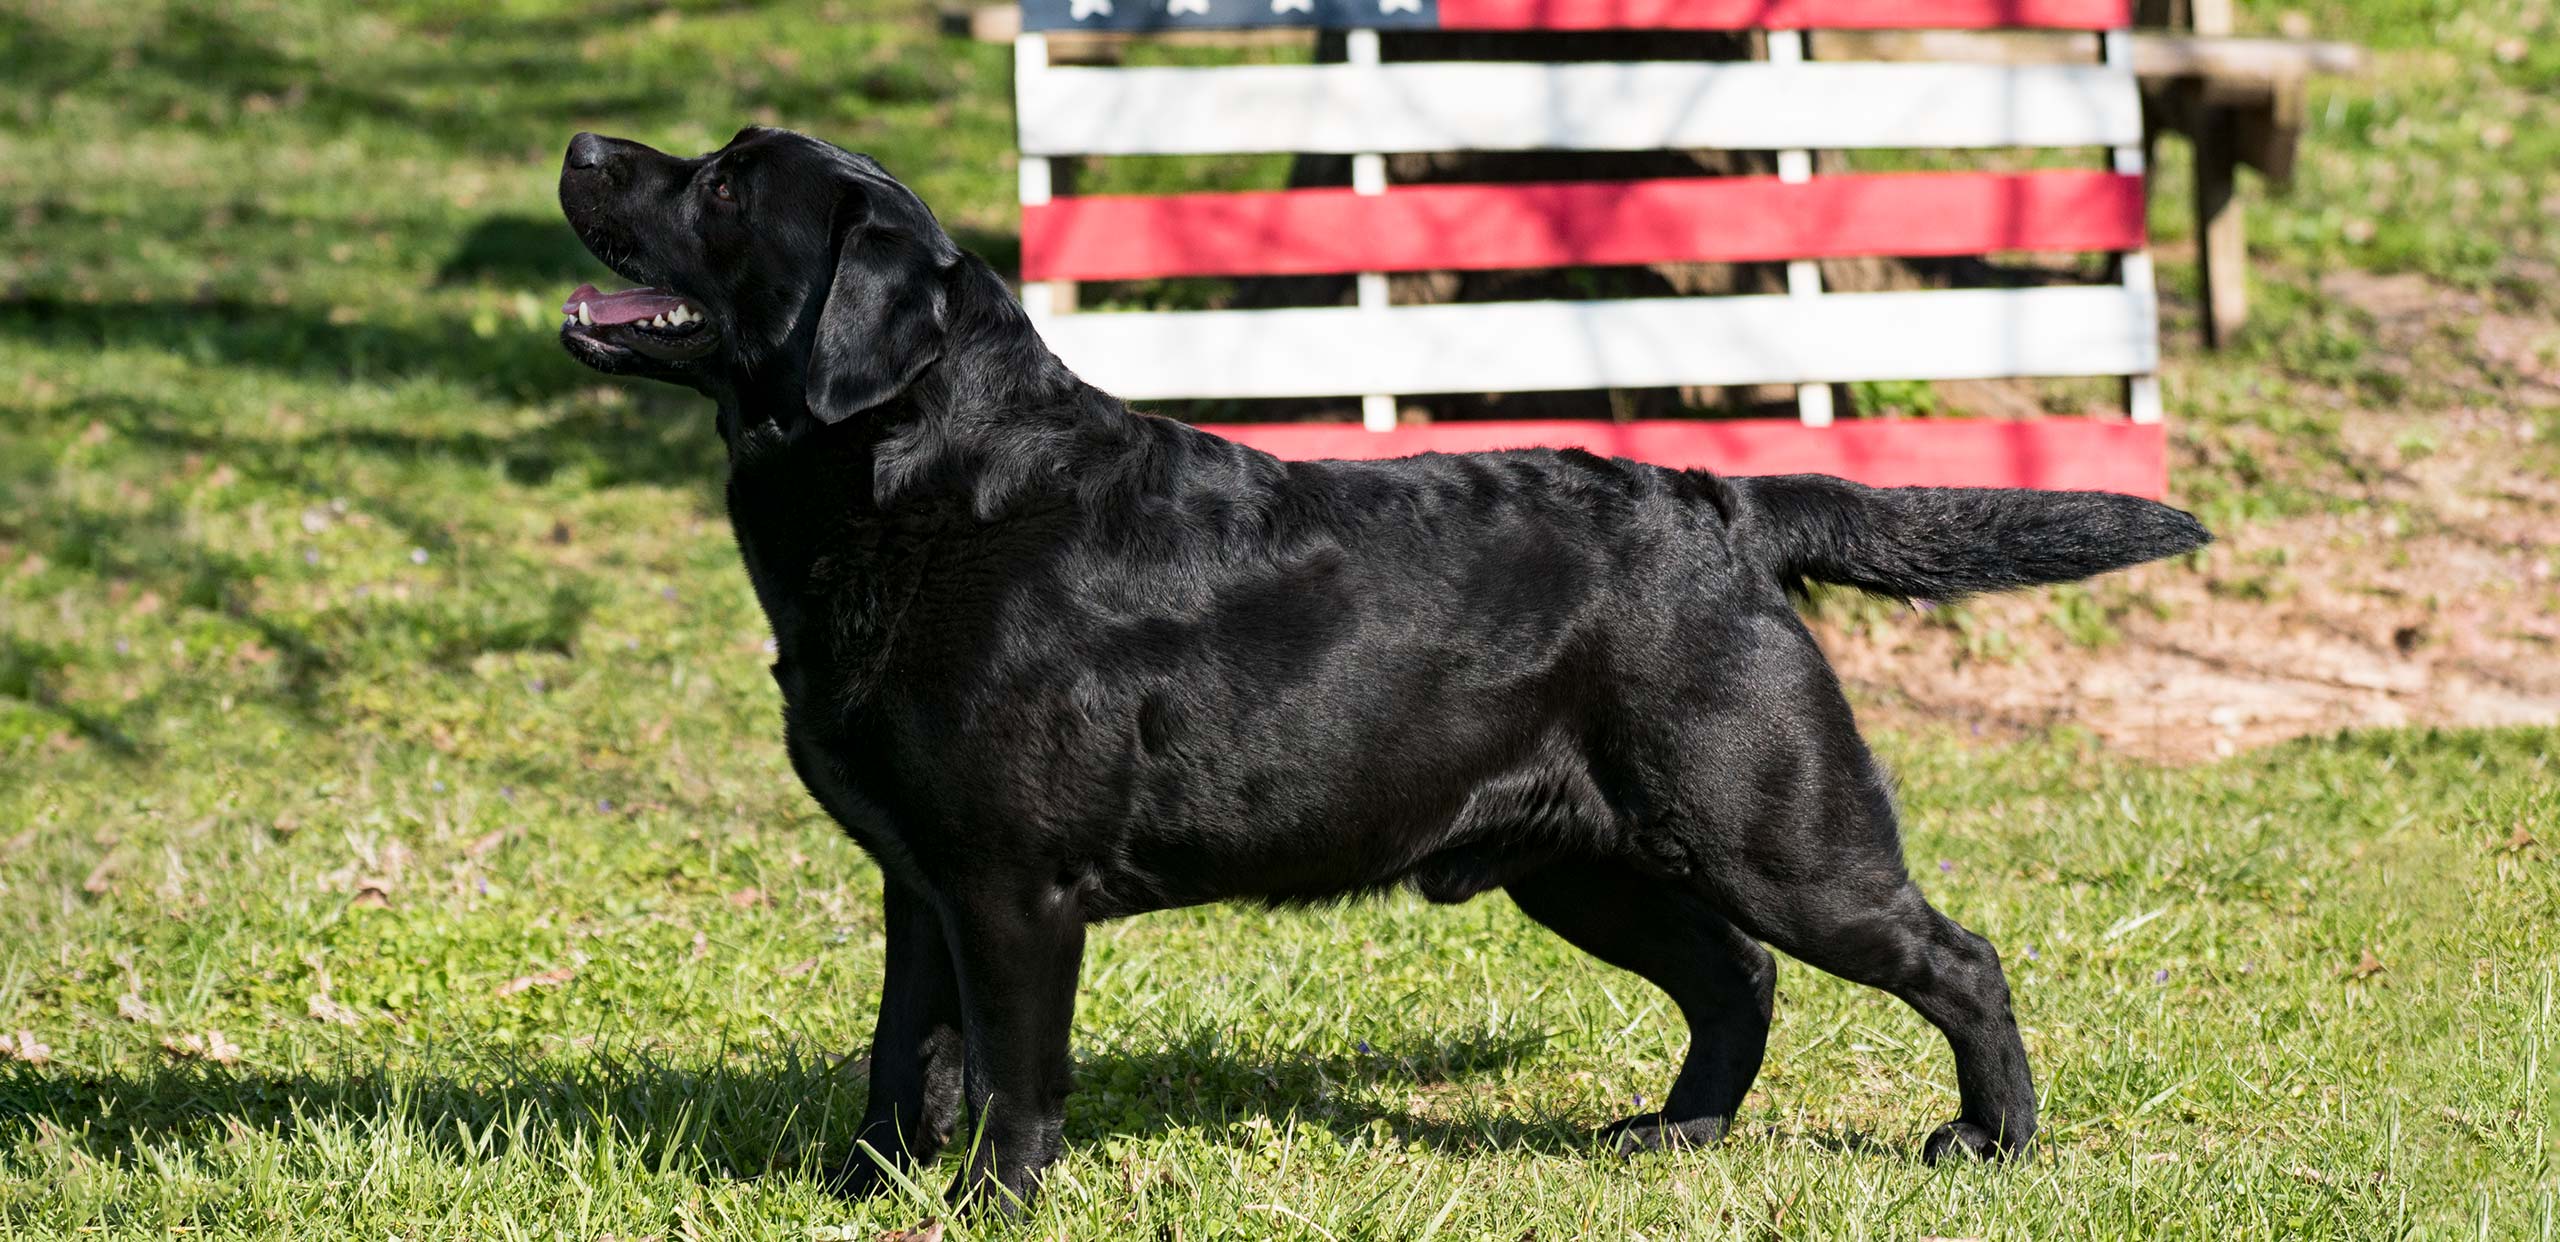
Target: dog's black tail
<point>1940,543</point>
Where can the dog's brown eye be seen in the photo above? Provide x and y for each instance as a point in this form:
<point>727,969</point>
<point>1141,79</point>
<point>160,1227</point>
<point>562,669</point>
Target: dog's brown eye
<point>720,189</point>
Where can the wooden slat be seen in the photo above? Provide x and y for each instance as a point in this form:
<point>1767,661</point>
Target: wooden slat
<point>2068,453</point>
<point>1654,342</point>
<point>1594,223</point>
<point>1439,106</point>
<point>1158,15</point>
<point>1782,14</point>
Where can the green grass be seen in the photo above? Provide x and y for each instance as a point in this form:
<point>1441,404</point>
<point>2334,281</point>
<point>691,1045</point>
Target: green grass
<point>378,689</point>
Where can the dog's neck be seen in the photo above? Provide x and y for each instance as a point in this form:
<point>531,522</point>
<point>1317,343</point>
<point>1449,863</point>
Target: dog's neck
<point>994,419</point>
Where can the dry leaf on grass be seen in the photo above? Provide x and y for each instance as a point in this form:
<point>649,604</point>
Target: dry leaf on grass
<point>486,845</point>
<point>701,946</point>
<point>2520,840</point>
<point>547,979</point>
<point>19,843</point>
<point>99,877</point>
<point>746,897</point>
<point>798,968</point>
<point>326,1008</point>
<point>2367,966</point>
<point>926,1231</point>
<point>25,1048</point>
<point>132,1008</point>
<point>210,1046</point>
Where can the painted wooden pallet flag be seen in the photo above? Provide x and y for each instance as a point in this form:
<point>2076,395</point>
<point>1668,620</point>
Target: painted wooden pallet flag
<point>1806,337</point>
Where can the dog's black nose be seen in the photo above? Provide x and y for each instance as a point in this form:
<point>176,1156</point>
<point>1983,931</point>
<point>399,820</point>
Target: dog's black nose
<point>590,151</point>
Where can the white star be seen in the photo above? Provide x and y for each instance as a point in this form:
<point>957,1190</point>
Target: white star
<point>1078,10</point>
<point>1293,6</point>
<point>1179,7</point>
<point>1399,6</point>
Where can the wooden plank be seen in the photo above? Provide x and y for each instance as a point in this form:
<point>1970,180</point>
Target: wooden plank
<point>1442,106</point>
<point>2222,239</point>
<point>1781,14</point>
<point>2133,159</point>
<point>2234,63</point>
<point>1588,223</point>
<point>1804,276</point>
<point>1642,343</point>
<point>1152,15</point>
<point>2064,453</point>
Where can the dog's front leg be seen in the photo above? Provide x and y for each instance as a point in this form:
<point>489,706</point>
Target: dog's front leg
<point>1019,944</point>
<point>915,1048</point>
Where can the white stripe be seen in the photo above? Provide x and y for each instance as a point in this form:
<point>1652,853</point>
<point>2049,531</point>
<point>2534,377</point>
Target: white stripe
<point>2141,392</point>
<point>1030,60</point>
<point>1346,108</point>
<point>1532,346</point>
<point>1804,276</point>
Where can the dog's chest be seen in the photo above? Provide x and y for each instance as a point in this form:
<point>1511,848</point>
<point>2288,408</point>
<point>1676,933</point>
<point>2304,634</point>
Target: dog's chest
<point>825,568</point>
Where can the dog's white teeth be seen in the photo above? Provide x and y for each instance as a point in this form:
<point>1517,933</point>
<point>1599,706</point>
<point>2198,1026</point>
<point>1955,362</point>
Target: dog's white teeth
<point>659,322</point>
<point>680,316</point>
<point>584,317</point>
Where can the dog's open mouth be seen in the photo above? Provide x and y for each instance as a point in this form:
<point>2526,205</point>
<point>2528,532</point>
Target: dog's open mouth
<point>652,321</point>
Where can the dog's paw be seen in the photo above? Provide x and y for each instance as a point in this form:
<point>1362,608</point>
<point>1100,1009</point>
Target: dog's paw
<point>1966,1140</point>
<point>1650,1132</point>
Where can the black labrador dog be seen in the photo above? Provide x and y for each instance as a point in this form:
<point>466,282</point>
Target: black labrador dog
<point>1052,661</point>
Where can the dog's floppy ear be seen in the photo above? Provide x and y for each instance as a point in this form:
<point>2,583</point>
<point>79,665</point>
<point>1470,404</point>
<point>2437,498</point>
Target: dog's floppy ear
<point>882,324</point>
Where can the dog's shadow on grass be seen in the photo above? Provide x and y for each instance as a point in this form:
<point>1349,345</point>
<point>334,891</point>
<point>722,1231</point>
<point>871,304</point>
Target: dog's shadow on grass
<point>789,1113</point>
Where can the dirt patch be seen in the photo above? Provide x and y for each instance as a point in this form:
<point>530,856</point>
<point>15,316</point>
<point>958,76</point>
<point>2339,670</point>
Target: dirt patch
<point>2436,600</point>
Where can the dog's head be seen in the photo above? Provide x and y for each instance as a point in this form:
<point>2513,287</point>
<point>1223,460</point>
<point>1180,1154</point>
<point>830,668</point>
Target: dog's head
<point>777,261</point>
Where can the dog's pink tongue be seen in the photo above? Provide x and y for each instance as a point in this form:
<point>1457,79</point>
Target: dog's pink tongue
<point>628,306</point>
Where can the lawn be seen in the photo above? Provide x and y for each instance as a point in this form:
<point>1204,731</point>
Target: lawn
<point>395,838</point>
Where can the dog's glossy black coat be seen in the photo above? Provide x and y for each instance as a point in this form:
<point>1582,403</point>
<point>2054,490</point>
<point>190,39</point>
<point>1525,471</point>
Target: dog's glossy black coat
<point>1051,662</point>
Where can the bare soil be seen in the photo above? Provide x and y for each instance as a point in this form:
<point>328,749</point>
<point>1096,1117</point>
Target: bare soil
<point>2432,598</point>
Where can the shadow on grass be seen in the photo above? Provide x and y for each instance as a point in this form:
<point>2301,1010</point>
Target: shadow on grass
<point>791,1114</point>
<point>519,605</point>
<point>201,68</point>
<point>306,343</point>
<point>520,250</point>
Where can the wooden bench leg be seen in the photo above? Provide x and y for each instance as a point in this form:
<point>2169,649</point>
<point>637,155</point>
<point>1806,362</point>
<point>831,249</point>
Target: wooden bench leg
<point>2222,242</point>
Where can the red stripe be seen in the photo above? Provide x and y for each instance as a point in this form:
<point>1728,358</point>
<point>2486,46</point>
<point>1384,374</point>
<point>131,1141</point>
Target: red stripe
<point>1475,227</point>
<point>1783,14</point>
<point>2061,453</point>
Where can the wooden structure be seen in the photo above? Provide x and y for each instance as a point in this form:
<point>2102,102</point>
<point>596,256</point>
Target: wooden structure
<point>1789,103</point>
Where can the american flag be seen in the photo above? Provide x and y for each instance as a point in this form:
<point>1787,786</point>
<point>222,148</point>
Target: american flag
<point>1367,109</point>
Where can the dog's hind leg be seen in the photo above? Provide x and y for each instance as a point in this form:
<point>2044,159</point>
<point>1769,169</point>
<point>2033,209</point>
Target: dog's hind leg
<point>915,1048</point>
<point>1832,892</point>
<point>1722,980</point>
